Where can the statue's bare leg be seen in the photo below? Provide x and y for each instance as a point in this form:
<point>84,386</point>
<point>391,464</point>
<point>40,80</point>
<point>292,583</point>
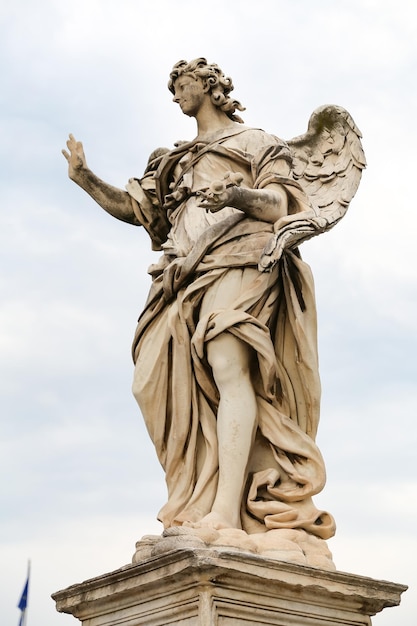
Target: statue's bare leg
<point>236,423</point>
<point>230,358</point>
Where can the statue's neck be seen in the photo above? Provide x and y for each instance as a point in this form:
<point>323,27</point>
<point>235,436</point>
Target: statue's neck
<point>211,120</point>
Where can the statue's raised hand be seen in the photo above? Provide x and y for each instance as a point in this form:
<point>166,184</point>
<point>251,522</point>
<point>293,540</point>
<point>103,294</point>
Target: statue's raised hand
<point>75,157</point>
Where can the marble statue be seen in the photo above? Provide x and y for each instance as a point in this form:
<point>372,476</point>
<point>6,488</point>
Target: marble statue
<point>226,369</point>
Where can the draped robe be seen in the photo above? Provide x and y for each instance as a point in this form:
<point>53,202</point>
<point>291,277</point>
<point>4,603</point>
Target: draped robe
<point>274,314</point>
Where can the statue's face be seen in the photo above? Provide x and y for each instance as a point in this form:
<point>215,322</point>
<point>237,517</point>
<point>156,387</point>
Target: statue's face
<point>190,94</point>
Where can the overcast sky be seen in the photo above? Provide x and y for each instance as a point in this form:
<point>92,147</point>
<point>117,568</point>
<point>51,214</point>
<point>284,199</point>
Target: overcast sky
<point>79,479</point>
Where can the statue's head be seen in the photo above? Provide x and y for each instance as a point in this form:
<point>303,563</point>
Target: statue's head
<point>219,85</point>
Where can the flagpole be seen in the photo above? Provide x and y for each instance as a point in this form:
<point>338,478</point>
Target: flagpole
<point>25,617</point>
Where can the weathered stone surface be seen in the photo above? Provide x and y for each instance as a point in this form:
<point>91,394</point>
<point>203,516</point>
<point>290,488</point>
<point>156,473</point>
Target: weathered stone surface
<point>226,366</point>
<point>209,587</point>
<point>226,372</point>
<point>295,546</point>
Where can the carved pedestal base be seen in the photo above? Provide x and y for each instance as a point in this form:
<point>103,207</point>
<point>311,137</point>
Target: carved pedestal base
<point>222,587</point>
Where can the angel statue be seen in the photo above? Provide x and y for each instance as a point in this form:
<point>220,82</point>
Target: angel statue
<point>226,369</point>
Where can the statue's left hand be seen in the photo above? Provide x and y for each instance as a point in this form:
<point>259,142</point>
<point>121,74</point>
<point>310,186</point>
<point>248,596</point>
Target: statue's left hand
<point>214,201</point>
<point>220,193</point>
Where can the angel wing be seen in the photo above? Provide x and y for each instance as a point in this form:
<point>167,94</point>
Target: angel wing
<point>328,162</point>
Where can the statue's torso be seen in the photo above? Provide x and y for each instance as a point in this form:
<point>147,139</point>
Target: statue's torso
<point>236,153</point>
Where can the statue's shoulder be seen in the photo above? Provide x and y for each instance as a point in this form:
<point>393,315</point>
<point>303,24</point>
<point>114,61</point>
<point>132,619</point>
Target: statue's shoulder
<point>257,138</point>
<point>262,147</point>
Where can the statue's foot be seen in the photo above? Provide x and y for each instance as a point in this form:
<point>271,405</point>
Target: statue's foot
<point>212,520</point>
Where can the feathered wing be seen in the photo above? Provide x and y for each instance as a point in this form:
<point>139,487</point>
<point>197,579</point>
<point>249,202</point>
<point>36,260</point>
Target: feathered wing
<point>328,162</point>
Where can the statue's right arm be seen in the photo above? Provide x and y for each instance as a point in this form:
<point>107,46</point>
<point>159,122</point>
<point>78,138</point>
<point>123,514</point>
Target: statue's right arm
<point>113,200</point>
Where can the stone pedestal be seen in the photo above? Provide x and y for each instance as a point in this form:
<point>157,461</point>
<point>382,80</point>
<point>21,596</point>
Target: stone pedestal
<point>209,587</point>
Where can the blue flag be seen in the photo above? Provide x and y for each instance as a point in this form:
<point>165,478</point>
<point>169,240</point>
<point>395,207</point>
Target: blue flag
<point>23,602</point>
<point>24,597</point>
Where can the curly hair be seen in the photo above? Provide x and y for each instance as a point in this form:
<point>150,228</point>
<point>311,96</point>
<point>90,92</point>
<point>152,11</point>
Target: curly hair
<point>211,75</point>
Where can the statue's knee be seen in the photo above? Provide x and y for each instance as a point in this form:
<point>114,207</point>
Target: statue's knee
<point>229,360</point>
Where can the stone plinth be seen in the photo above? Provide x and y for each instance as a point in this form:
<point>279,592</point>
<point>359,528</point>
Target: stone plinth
<point>208,587</point>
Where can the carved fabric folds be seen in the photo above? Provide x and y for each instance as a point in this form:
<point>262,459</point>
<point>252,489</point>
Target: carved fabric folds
<point>275,314</point>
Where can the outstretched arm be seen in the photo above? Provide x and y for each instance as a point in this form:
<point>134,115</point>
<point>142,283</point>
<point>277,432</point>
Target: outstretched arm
<point>113,200</point>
